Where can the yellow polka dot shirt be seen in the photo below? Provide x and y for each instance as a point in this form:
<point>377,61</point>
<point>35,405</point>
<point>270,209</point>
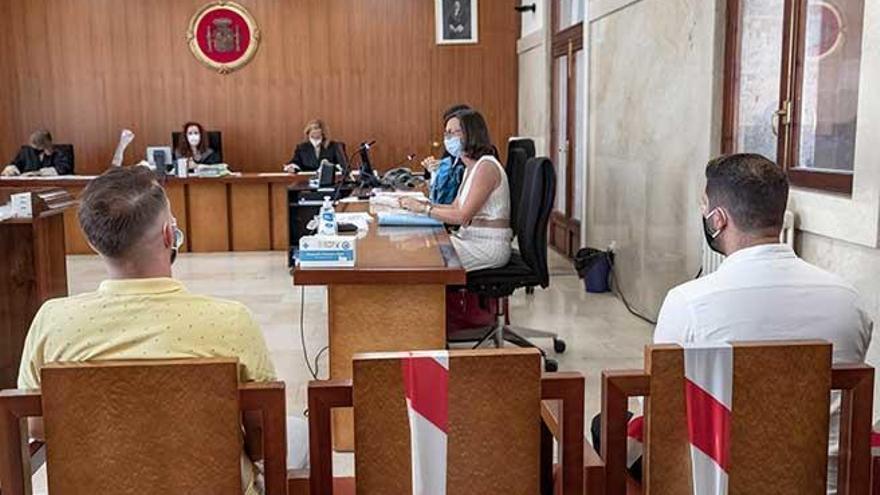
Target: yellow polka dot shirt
<point>153,318</point>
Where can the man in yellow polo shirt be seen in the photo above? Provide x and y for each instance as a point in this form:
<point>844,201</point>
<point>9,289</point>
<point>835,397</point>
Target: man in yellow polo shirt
<point>140,312</point>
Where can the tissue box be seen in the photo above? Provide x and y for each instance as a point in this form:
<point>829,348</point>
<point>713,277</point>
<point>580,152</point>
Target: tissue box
<point>327,251</point>
<point>21,205</point>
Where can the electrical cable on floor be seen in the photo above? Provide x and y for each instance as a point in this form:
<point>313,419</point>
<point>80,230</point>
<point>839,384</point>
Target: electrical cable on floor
<point>622,297</point>
<point>625,301</point>
<point>316,369</point>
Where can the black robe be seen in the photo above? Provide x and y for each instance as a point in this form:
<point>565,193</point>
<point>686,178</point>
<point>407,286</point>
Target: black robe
<point>304,155</point>
<point>28,160</point>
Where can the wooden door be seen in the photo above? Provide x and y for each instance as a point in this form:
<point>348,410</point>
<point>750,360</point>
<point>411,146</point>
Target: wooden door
<point>568,124</point>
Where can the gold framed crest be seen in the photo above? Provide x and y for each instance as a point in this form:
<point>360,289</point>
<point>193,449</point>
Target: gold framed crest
<point>223,35</point>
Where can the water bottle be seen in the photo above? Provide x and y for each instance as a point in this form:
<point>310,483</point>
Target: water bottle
<point>328,218</point>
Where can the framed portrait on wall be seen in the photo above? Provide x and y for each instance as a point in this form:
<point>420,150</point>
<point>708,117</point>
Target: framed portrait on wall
<point>456,21</point>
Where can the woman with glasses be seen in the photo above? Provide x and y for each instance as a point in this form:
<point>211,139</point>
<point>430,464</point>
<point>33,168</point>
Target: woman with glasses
<point>482,207</point>
<point>447,172</point>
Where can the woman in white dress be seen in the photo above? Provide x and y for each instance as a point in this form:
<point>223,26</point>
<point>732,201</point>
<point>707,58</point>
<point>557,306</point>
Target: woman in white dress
<point>482,207</point>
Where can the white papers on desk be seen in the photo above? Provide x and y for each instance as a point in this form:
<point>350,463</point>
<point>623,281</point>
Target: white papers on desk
<point>361,219</point>
<point>389,202</point>
<point>273,174</point>
<point>5,211</point>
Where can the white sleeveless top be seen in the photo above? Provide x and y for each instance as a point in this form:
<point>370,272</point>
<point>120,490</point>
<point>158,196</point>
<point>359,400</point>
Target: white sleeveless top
<point>497,205</point>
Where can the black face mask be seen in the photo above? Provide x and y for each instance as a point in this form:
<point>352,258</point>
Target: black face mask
<point>711,235</point>
<point>178,241</point>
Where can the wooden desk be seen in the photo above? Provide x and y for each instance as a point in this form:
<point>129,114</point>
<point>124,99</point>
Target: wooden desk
<point>244,212</point>
<point>32,270</point>
<point>394,299</point>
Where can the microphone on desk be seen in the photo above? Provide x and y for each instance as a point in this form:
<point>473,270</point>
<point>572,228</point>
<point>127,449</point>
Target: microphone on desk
<point>363,147</point>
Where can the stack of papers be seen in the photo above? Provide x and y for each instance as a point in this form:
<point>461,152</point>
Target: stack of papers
<point>219,170</point>
<point>389,202</point>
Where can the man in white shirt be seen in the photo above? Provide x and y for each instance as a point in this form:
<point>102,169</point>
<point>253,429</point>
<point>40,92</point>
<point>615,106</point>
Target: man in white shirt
<point>762,291</point>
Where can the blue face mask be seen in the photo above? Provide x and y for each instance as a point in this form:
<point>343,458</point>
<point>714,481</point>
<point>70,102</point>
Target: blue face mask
<point>452,145</point>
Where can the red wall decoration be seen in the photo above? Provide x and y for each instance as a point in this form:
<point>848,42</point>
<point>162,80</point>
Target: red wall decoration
<point>223,35</point>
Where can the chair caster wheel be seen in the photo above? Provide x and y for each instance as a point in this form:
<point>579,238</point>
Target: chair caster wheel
<point>559,346</point>
<point>550,365</point>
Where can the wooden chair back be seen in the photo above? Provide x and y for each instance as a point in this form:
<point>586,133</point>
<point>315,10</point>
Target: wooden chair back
<point>778,417</point>
<point>494,437</point>
<point>146,427</point>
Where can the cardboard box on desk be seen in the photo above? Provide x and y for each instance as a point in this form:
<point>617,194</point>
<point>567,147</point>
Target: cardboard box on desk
<point>327,251</point>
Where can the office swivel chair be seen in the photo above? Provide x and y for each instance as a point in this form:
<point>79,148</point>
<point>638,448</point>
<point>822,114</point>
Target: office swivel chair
<point>527,266</point>
<point>215,142</point>
<point>67,149</point>
<point>525,144</point>
<point>519,151</point>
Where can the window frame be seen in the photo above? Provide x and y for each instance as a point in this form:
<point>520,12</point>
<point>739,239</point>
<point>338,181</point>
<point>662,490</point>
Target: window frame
<point>788,114</point>
<point>565,230</point>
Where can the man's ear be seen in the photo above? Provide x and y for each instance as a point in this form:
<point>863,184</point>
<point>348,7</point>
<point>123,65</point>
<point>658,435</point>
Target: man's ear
<point>721,219</point>
<point>168,235</point>
<point>93,248</point>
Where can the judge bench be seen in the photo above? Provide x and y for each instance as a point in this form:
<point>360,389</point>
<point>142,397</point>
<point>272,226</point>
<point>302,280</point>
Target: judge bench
<point>238,212</point>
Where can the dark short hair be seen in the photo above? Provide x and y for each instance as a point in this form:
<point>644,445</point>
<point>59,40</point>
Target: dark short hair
<point>117,208</point>
<point>752,188</point>
<point>41,139</point>
<point>475,141</point>
<point>453,111</point>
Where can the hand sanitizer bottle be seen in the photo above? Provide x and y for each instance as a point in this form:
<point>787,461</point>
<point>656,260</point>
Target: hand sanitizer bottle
<point>328,218</point>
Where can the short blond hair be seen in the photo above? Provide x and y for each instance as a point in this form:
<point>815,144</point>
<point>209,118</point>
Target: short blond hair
<point>317,124</point>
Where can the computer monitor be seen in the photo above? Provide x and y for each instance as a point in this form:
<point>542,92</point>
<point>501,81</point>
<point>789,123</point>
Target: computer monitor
<point>160,158</point>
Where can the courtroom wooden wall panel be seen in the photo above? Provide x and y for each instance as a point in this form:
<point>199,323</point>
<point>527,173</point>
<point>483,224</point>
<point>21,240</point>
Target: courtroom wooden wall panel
<point>177,197</point>
<point>73,235</point>
<point>249,217</point>
<point>371,68</point>
<point>280,238</point>
<point>18,289</point>
<point>49,257</point>
<point>9,95</point>
<point>208,217</point>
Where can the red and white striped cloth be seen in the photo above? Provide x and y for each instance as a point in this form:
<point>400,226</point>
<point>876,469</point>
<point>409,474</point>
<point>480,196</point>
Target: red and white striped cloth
<point>426,385</point>
<point>708,398</point>
<point>875,441</point>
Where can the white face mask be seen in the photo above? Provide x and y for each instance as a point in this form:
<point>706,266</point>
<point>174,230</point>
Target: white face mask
<point>315,142</point>
<point>194,138</point>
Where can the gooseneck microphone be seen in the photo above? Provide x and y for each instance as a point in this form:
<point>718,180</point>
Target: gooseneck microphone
<point>363,146</point>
